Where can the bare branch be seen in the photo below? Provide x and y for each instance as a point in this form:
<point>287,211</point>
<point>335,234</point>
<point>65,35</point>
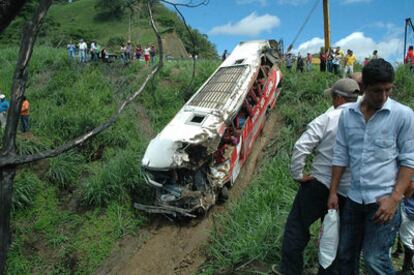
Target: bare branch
<point>154,27</point>
<point>15,159</point>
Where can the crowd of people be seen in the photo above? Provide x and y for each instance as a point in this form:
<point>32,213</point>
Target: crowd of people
<point>334,61</point>
<point>363,167</point>
<point>24,113</point>
<point>95,52</point>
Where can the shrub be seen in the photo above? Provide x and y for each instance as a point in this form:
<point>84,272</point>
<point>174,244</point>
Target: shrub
<point>113,180</point>
<point>65,169</point>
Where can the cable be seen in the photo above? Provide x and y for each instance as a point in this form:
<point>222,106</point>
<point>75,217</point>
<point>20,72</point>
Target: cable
<point>303,25</point>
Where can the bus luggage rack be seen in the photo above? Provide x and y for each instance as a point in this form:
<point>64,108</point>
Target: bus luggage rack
<point>219,88</point>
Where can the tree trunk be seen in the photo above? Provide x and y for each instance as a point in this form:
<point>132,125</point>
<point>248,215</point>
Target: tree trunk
<point>6,190</point>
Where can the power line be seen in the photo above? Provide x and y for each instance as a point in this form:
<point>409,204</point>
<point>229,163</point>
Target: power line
<point>304,24</point>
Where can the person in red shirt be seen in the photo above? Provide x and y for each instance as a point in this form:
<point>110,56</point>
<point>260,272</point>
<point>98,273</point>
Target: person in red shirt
<point>409,58</point>
<point>24,115</point>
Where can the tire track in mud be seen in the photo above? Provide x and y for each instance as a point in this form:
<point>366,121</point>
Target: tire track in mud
<point>165,247</point>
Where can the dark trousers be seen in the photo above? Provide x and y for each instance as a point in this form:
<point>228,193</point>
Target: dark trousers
<point>359,231</point>
<point>24,123</point>
<point>322,66</point>
<point>309,206</point>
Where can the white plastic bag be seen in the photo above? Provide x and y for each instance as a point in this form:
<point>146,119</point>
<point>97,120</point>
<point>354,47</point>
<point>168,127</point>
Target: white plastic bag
<point>329,238</point>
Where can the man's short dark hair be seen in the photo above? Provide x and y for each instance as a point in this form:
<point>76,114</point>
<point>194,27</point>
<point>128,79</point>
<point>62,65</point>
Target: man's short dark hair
<point>377,71</point>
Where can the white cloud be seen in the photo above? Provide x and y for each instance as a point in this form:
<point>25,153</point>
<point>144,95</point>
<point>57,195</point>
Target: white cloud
<point>242,2</point>
<point>346,2</point>
<point>390,48</point>
<point>311,46</point>
<point>251,25</point>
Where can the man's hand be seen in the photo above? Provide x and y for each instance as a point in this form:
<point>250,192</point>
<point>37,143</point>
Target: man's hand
<point>305,179</point>
<point>333,201</point>
<point>386,210</point>
<point>410,190</point>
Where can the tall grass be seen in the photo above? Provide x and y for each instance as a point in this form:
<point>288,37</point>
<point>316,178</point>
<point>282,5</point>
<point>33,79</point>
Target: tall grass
<point>64,170</point>
<point>26,185</point>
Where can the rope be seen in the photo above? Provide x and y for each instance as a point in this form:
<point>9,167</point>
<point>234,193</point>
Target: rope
<point>303,25</point>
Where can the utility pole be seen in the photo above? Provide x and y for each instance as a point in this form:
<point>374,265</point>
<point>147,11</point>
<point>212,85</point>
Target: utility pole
<point>326,25</point>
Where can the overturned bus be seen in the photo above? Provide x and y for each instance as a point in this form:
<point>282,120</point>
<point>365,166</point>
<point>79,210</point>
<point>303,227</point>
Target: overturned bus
<point>193,161</point>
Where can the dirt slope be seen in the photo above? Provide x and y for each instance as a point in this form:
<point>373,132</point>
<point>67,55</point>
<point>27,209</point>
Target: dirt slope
<point>168,248</point>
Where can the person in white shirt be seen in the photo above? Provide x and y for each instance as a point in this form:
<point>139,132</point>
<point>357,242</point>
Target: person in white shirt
<point>311,199</point>
<point>83,48</point>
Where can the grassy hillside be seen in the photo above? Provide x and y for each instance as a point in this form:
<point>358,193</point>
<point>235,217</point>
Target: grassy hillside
<point>69,211</point>
<point>253,229</point>
<point>80,19</point>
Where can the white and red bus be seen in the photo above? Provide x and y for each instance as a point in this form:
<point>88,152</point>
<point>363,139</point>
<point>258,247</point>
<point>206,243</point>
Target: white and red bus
<point>199,154</point>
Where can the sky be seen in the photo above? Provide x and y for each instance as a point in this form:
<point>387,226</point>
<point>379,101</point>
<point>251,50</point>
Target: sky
<point>359,25</point>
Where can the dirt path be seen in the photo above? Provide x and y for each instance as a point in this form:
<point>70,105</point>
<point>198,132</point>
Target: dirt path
<point>167,248</point>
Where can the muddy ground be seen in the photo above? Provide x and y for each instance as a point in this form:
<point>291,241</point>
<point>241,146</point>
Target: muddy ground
<point>165,247</point>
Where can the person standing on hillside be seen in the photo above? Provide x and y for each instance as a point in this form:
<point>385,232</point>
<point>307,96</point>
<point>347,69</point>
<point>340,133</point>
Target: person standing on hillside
<point>123,53</point>
<point>310,201</point>
<point>224,56</point>
<point>94,51</point>
<point>409,58</point>
<point>138,52</point>
<point>330,57</point>
<point>289,61</point>
<point>147,55</point>
<point>83,48</point>
<point>349,60</point>
<point>128,51</point>
<point>4,106</point>
<point>71,51</point>
<point>375,140</point>
<point>337,59</point>
<point>375,54</point>
<point>24,115</point>
<point>308,62</point>
<point>299,64</point>
<point>153,52</point>
<point>323,57</point>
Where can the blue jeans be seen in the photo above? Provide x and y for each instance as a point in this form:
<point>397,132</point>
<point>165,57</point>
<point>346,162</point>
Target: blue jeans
<point>310,205</point>
<point>359,231</point>
<point>82,55</point>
